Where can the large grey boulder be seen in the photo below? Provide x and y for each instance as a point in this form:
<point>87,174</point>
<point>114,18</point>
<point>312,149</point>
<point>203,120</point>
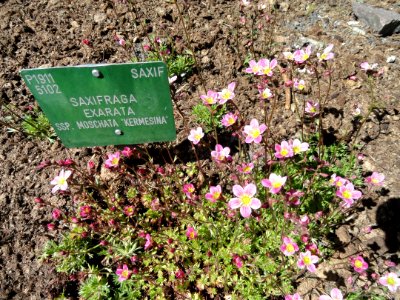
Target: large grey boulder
<point>383,21</point>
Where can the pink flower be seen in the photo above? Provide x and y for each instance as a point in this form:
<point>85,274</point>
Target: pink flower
<point>227,94</point>
<point>91,165</point>
<point>127,152</point>
<point>51,226</point>
<point>112,160</point>
<point>365,66</point>
<point>288,55</point>
<point>123,273</point>
<point>312,108</point>
<point>338,181</point>
<point>56,213</point>
<point>391,281</point>
<point>267,66</point>
<point>327,54</point>
<point>292,197</point>
<point>188,189</point>
<point>348,194</point>
<point>284,150</point>
<point>301,55</point>
<point>220,154</point>
<point>307,260</point>
<point>254,68</point>
<point>299,84</point>
<point>274,183</point>
<point>149,242</point>
<point>245,199</point>
<point>196,135</point>
<point>237,261</point>
<point>60,181</point>
<point>210,98</point>
<point>313,248</point>
<point>246,168</point>
<point>359,264</point>
<point>191,233</point>
<point>214,194</point>
<point>129,210</point>
<point>293,297</point>
<point>85,211</point>
<point>336,294</point>
<point>265,93</point>
<point>299,147</point>
<point>375,179</point>
<point>229,119</point>
<point>304,220</point>
<point>289,247</point>
<point>180,274</point>
<point>254,131</point>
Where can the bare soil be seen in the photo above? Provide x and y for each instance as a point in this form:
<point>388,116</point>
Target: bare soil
<point>50,33</point>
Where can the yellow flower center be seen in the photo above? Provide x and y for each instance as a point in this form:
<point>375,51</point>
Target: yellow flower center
<point>339,183</point>
<point>255,69</point>
<point>358,264</point>
<point>246,200</point>
<point>312,109</point>
<point>125,273</point>
<point>289,248</point>
<point>374,180</point>
<point>347,194</point>
<point>216,195</point>
<point>197,137</point>
<point>267,70</point>
<point>296,149</point>
<point>324,55</point>
<point>191,234</point>
<point>284,152</point>
<point>115,161</point>
<point>61,181</point>
<point>266,94</point>
<point>391,281</point>
<point>276,184</point>
<point>210,100</point>
<point>305,56</point>
<point>307,260</point>
<point>226,94</point>
<point>255,133</point>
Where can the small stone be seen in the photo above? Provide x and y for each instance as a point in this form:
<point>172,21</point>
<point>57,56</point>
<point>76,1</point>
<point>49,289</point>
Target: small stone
<point>353,23</point>
<point>74,24</point>
<point>391,59</point>
<point>315,44</point>
<point>383,21</point>
<point>343,235</point>
<point>100,17</point>
<point>358,30</point>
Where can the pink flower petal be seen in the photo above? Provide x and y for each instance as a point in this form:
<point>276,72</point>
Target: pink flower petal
<point>245,211</point>
<point>250,190</point>
<point>234,203</point>
<point>255,203</point>
<point>237,190</point>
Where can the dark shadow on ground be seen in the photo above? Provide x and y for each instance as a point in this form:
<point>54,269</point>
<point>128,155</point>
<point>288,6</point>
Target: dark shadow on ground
<point>387,219</point>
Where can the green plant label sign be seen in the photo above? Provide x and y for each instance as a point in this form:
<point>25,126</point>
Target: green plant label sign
<point>107,104</point>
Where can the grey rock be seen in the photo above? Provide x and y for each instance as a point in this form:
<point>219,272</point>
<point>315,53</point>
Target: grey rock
<point>100,17</point>
<point>391,59</point>
<point>383,21</point>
